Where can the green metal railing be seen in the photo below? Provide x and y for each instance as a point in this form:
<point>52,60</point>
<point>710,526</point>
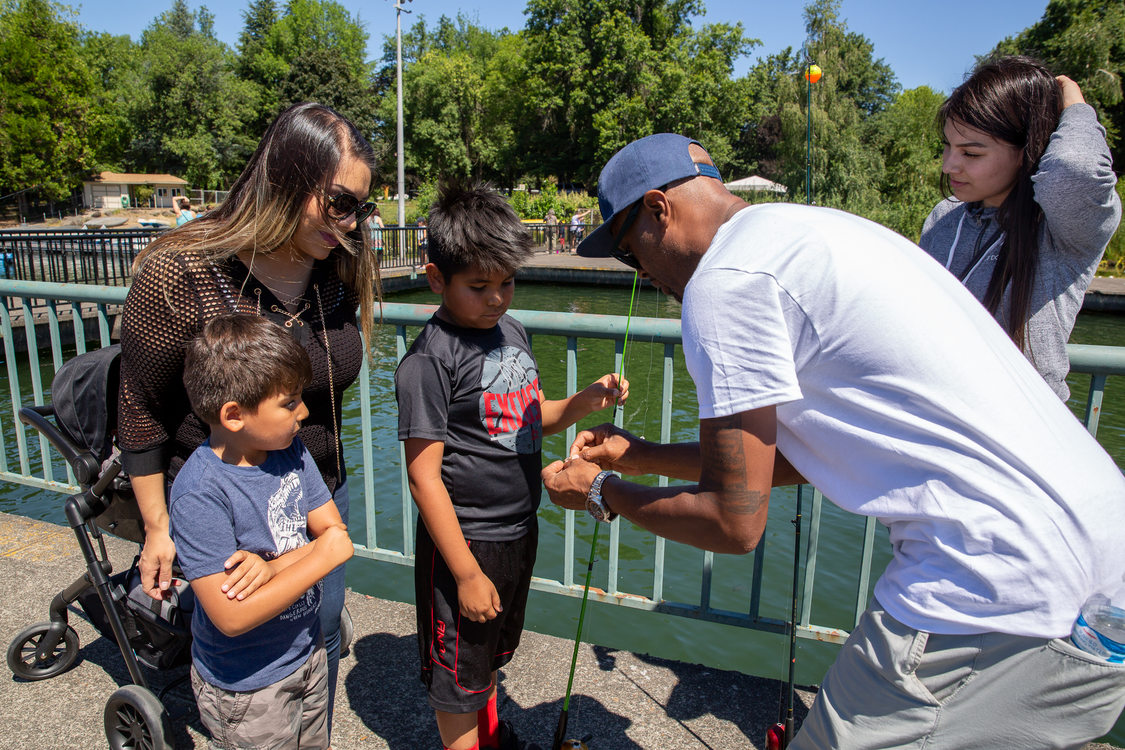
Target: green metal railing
<point>56,309</point>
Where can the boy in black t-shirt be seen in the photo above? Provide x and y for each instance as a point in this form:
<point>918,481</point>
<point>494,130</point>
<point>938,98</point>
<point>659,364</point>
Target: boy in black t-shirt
<point>472,417</point>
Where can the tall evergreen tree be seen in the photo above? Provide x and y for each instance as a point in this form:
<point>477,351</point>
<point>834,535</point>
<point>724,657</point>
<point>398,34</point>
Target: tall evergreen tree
<point>256,62</point>
<point>606,73</point>
<point>114,63</point>
<point>45,102</point>
<point>847,168</point>
<point>193,118</point>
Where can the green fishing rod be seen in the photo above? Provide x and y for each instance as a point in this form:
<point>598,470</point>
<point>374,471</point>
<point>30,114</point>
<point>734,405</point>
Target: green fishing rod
<point>564,716</point>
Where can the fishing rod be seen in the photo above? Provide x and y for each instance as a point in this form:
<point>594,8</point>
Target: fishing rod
<point>564,717</point>
<point>780,734</point>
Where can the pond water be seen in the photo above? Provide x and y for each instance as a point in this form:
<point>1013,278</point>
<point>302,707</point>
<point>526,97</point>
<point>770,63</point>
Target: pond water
<point>619,627</point>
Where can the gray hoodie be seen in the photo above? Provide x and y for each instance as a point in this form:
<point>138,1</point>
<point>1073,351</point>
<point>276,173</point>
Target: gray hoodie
<point>1075,188</point>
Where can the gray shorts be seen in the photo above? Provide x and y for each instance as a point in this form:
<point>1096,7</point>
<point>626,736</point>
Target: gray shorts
<point>290,713</point>
<point>896,687</point>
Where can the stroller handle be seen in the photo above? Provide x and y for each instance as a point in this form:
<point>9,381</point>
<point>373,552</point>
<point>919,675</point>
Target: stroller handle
<point>106,479</point>
<point>84,464</point>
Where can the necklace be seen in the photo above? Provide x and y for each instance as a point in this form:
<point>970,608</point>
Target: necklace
<point>331,384</point>
<point>288,286</point>
<point>293,317</point>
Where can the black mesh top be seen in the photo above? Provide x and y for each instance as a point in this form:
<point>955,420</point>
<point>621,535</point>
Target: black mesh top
<point>169,301</point>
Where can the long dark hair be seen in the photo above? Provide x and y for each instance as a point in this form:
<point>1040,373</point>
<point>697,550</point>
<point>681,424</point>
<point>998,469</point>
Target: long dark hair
<point>298,157</point>
<point>1018,101</point>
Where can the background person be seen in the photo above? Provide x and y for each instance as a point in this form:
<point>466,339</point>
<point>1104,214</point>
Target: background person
<point>184,214</point>
<point>423,242</point>
<point>1033,203</point>
<point>578,226</point>
<point>824,346</point>
<point>552,222</point>
<point>375,226</point>
<point>284,245</point>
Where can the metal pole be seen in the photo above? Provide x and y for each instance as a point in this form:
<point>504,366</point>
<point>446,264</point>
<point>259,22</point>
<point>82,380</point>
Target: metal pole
<point>808,139</point>
<point>399,10</point>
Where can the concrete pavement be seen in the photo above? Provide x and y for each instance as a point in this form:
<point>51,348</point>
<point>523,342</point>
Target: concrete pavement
<point>627,701</point>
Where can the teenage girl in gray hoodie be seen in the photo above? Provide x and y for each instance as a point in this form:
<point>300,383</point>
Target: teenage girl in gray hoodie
<point>1033,204</point>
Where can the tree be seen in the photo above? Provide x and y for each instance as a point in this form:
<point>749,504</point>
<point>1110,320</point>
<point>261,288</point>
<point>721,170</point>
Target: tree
<point>306,81</point>
<point>310,25</point>
<point>607,73</point>
<point>257,63</point>
<point>847,168</point>
<point>868,82</point>
<point>45,102</point>
<point>462,85</point>
<point>192,117</point>
<point>312,51</point>
<point>114,64</point>
<point>757,147</point>
<point>907,135</point>
<point>1085,40</point>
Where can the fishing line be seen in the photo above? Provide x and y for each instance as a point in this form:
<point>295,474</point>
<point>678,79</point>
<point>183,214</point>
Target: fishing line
<point>625,345</point>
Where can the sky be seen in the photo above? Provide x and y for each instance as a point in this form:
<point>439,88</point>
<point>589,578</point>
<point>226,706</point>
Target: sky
<point>925,42</point>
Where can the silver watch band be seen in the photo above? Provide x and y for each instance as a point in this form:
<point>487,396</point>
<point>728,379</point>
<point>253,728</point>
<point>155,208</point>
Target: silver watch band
<point>594,496</point>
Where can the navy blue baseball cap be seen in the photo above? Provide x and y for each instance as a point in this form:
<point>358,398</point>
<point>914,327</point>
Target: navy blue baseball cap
<point>645,164</point>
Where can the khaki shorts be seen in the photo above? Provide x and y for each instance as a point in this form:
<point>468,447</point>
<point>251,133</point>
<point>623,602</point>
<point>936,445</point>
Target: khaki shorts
<point>290,713</point>
<point>896,687</point>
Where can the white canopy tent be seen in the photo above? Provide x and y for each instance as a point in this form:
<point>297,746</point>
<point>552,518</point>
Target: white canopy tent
<point>755,183</point>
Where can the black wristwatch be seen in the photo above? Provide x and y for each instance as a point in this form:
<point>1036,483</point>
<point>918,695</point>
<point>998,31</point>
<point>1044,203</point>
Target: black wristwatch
<point>595,504</point>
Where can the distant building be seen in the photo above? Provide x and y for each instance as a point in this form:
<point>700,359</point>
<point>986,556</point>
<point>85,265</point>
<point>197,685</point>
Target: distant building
<point>754,183</point>
<point>114,190</point>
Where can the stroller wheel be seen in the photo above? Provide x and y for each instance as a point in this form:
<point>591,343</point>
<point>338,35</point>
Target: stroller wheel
<point>135,720</point>
<point>24,663</point>
<point>347,630</point>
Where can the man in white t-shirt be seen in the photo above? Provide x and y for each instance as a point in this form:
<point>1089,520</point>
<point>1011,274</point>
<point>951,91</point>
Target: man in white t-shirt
<point>826,348</point>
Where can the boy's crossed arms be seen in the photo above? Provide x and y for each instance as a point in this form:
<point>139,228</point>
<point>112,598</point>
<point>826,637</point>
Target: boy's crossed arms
<point>276,583</point>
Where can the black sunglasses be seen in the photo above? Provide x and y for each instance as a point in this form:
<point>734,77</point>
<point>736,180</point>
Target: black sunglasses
<point>343,205</point>
<point>616,250</point>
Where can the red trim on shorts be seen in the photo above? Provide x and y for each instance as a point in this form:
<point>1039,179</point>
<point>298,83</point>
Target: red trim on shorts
<point>433,632</point>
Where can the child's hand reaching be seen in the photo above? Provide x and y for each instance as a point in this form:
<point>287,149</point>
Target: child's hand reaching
<point>478,598</point>
<point>605,392</point>
<point>249,574</point>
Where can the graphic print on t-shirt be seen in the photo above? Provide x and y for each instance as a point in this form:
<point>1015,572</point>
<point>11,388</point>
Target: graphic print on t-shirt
<point>288,528</point>
<point>286,522</point>
<point>509,405</point>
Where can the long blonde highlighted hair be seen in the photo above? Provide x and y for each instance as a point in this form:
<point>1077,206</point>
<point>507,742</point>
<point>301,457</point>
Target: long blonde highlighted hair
<point>298,157</point>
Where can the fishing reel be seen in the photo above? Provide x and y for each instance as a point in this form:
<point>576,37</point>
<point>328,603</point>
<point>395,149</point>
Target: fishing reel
<point>775,737</point>
<point>574,744</point>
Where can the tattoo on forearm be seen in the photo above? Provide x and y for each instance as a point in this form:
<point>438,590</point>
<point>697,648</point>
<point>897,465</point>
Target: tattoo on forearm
<point>725,466</point>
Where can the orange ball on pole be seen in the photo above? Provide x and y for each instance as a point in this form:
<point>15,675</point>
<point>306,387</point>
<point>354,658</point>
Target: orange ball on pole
<point>813,73</point>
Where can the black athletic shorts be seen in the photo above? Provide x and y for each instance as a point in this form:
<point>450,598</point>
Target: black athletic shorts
<point>458,655</point>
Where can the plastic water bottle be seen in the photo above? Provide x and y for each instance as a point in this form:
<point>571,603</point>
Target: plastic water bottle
<point>1100,628</point>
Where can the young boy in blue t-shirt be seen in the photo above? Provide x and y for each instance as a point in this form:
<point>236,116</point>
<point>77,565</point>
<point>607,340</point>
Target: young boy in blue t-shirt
<point>472,417</point>
<point>259,670</point>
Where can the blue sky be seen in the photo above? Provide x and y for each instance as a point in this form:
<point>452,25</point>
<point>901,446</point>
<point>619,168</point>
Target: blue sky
<point>926,42</point>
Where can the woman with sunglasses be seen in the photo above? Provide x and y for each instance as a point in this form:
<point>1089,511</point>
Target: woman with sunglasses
<point>286,244</point>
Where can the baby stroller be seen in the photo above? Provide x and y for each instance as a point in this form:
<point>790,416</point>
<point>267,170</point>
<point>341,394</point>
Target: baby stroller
<point>149,632</point>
